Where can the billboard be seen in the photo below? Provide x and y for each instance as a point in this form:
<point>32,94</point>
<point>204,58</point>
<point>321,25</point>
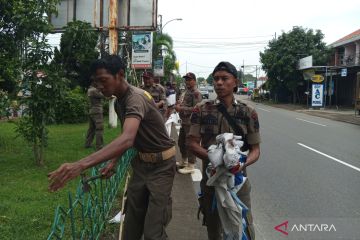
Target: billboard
<point>317,95</point>
<point>306,62</point>
<point>132,14</point>
<point>142,50</point>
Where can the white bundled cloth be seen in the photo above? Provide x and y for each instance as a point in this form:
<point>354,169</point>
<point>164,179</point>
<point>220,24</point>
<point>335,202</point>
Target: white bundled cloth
<point>225,155</point>
<point>171,99</point>
<point>226,151</point>
<point>174,118</point>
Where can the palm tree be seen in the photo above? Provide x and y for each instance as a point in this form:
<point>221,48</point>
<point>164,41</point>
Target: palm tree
<point>163,46</point>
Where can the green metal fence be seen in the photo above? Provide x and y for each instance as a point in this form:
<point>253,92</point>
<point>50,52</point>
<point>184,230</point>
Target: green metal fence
<point>86,214</point>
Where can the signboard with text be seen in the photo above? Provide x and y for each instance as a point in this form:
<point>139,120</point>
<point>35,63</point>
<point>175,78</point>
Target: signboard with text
<point>344,72</point>
<point>159,67</point>
<point>317,95</point>
<point>142,50</point>
<point>306,62</point>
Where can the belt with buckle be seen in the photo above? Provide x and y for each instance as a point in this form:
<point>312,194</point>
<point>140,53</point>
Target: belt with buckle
<point>159,156</point>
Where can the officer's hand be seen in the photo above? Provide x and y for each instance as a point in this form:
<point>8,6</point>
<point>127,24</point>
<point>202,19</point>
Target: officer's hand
<point>63,174</point>
<point>109,169</point>
<point>237,169</point>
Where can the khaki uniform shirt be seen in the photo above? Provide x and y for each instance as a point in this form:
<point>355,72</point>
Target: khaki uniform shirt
<point>157,92</point>
<point>152,136</point>
<point>207,122</point>
<point>188,100</point>
<point>95,97</point>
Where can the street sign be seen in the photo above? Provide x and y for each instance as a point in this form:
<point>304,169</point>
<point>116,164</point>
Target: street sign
<point>317,95</point>
<point>344,72</point>
<point>159,67</point>
<point>317,78</point>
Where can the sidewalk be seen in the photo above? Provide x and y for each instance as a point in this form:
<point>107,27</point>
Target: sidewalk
<point>184,224</point>
<point>341,114</point>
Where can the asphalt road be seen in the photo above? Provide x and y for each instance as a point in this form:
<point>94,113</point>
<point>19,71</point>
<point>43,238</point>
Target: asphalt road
<point>307,179</point>
<point>308,174</point>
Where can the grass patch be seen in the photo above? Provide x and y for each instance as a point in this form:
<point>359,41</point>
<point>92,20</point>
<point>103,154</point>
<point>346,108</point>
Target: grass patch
<point>26,207</point>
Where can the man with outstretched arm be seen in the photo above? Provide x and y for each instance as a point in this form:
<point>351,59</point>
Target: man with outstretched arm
<point>148,207</point>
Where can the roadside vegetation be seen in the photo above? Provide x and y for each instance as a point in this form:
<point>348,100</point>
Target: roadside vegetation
<point>26,207</point>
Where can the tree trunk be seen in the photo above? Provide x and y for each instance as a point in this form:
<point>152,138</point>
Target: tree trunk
<point>294,96</point>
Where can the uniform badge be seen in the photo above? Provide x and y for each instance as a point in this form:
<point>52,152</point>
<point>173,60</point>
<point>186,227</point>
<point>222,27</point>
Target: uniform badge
<point>255,118</point>
<point>148,95</point>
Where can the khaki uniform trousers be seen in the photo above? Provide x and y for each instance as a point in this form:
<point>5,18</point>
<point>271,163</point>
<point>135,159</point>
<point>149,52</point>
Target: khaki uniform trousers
<point>148,208</point>
<point>96,129</point>
<point>212,219</point>
<point>184,150</point>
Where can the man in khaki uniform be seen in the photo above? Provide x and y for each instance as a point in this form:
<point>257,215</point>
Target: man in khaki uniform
<point>184,107</point>
<point>148,206</point>
<point>206,123</point>
<point>96,119</point>
<point>156,91</point>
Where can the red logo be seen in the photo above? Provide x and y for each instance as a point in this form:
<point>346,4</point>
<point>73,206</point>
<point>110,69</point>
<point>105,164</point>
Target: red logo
<point>282,228</point>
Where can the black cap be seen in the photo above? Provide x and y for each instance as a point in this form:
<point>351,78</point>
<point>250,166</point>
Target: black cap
<point>147,74</point>
<point>226,66</point>
<point>190,75</point>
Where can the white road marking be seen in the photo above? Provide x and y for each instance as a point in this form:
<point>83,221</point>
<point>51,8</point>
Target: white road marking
<point>311,122</point>
<point>264,109</point>
<point>332,158</point>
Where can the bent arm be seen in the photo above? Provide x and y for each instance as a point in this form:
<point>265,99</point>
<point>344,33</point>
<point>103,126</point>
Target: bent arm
<point>253,155</point>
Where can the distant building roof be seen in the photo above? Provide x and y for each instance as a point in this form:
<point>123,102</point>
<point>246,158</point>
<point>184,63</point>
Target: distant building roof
<point>347,39</point>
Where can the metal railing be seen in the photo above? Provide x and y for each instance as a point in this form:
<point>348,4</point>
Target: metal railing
<point>87,211</point>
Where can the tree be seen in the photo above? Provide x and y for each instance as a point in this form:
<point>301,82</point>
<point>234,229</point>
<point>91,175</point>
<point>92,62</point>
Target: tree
<point>45,89</point>
<point>77,51</point>
<point>21,22</point>
<point>281,57</point>
<point>163,46</point>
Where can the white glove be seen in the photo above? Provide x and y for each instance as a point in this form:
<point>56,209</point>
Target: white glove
<point>215,154</point>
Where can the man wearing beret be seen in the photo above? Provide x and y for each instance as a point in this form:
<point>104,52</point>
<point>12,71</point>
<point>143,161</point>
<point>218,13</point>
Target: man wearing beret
<point>156,91</point>
<point>148,204</point>
<point>184,107</point>
<point>208,121</point>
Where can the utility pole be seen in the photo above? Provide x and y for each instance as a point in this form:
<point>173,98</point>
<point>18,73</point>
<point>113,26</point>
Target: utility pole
<point>243,66</point>
<point>113,47</point>
<point>256,76</point>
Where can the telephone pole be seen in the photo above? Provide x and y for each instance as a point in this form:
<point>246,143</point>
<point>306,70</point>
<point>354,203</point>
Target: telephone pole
<point>113,48</point>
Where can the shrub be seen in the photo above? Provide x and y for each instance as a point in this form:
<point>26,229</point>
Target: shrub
<point>4,104</point>
<point>74,108</point>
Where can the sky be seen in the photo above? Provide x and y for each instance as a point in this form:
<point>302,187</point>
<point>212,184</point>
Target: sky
<point>237,30</point>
